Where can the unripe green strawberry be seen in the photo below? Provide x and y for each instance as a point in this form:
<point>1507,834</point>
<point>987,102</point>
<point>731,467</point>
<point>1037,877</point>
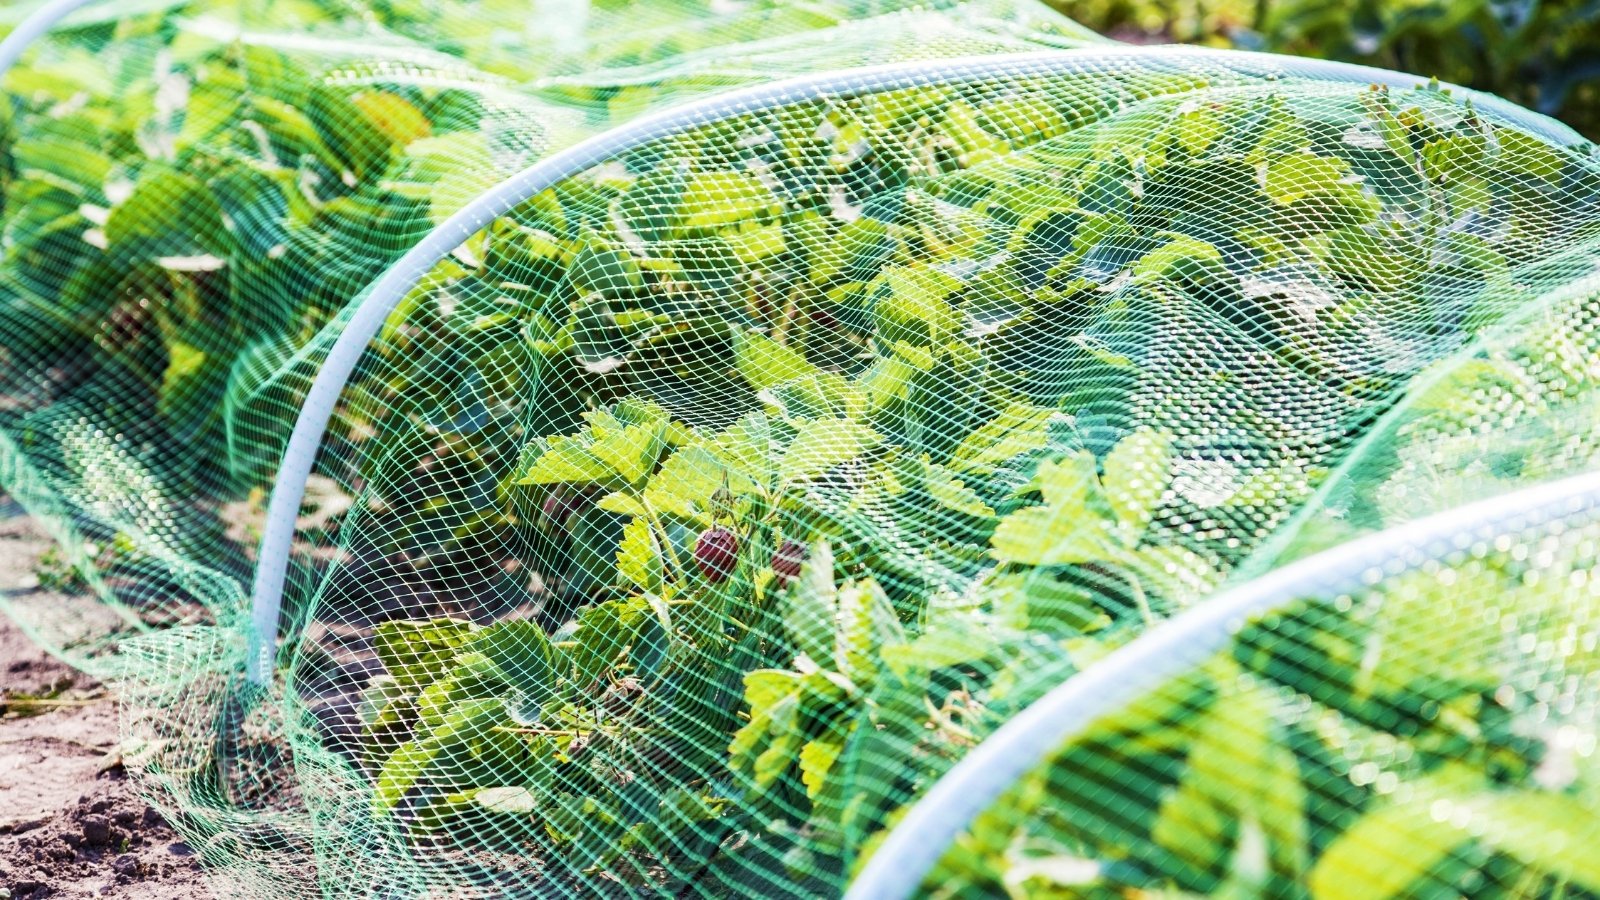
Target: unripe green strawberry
<point>722,501</point>
<point>716,552</point>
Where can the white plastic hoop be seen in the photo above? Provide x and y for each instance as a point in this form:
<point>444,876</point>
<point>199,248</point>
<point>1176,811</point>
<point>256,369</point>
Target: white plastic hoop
<point>35,26</point>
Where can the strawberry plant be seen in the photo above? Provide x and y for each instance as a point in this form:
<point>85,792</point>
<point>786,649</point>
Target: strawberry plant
<point>613,683</point>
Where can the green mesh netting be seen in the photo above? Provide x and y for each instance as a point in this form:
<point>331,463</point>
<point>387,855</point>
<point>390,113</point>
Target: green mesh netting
<point>801,393</point>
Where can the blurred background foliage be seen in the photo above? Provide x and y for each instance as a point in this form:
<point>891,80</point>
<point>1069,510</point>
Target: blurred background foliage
<point>1544,54</point>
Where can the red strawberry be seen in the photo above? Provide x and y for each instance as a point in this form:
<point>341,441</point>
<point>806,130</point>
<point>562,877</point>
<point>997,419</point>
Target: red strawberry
<point>787,561</point>
<point>716,552</point>
<point>822,318</point>
<point>561,504</point>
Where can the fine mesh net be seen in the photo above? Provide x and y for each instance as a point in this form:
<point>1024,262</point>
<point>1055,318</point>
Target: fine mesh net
<point>835,382</point>
<point>1425,728</point>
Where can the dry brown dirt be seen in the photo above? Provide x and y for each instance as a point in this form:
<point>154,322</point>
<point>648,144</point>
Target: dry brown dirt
<point>71,823</point>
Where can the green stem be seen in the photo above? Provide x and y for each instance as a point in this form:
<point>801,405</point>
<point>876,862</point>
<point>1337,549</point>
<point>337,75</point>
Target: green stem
<point>660,531</point>
<point>1259,18</point>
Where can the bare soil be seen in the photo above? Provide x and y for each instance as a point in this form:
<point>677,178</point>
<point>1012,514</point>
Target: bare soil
<point>71,823</point>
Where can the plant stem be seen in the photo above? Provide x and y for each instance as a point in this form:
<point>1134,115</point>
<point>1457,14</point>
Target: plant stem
<point>660,532</point>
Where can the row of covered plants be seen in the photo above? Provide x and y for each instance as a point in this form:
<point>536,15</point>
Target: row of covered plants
<point>855,428</point>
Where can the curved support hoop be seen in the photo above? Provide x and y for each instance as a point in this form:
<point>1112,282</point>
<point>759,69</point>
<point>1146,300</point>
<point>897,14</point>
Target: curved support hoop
<point>372,309</point>
<point>34,27</point>
<point>915,845</point>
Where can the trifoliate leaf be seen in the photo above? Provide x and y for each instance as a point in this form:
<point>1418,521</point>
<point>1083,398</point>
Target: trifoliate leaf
<point>688,479</point>
<point>621,444</point>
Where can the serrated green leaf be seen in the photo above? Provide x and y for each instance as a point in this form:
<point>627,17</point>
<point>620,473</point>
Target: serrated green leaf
<point>973,144</point>
<point>821,444</point>
<point>616,445</point>
<point>822,395</point>
<point>764,746</point>
<point>687,481</point>
<point>915,305</point>
<point>1324,192</point>
<point>1423,634</point>
<point>1137,472</point>
<point>609,272</point>
<point>1197,128</point>
<point>566,460</point>
<point>753,243</point>
<point>1040,600</point>
<point>816,761</point>
<point>1177,574</point>
<point>711,199</point>
<point>864,624</point>
<point>751,446</point>
<point>169,214</point>
<point>1455,156</point>
<point>771,763</point>
<point>765,363</point>
<point>604,631</point>
<point>631,450</point>
<point>445,751</point>
<point>1068,528</point>
<point>949,492</point>
<point>638,557</point>
<point>1180,257</point>
<point>418,653</point>
<point>520,652</point>
<point>1020,428</point>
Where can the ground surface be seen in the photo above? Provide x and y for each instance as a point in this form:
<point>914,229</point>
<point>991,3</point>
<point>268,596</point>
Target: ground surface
<point>71,824</point>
